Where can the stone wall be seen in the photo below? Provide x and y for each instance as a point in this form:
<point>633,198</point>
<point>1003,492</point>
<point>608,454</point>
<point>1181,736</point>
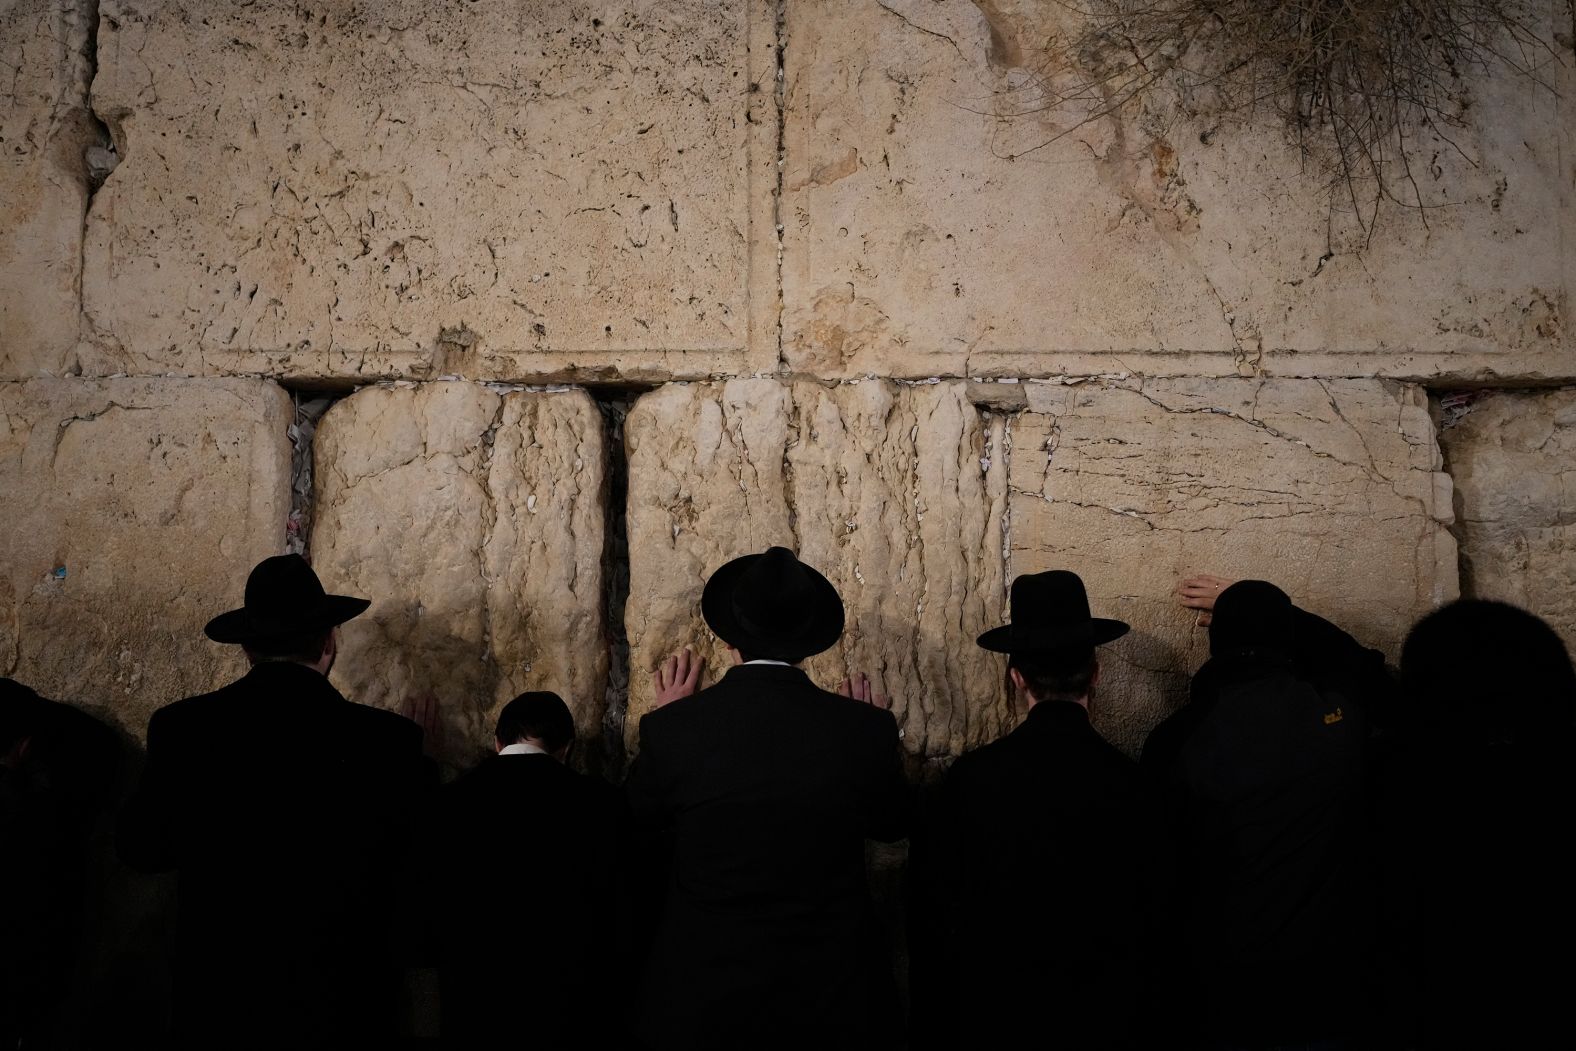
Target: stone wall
<point>129,504</point>
<point>858,309</point>
<point>898,493</point>
<point>1513,457</point>
<point>45,133</point>
<point>475,519</point>
<point>1331,488</point>
<point>924,236</point>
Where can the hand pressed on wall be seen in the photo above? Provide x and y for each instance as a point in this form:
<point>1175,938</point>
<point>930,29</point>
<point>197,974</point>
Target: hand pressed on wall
<point>860,688</point>
<point>422,709</point>
<point>678,676</point>
<point>1200,592</point>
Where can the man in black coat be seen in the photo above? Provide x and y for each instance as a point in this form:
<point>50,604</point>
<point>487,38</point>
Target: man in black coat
<point>768,787</point>
<point>282,807</point>
<point>1475,806</point>
<point>1263,772</point>
<point>58,770</point>
<point>1052,819</point>
<point>542,961</point>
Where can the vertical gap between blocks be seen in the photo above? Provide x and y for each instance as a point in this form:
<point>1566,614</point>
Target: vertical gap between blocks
<point>308,405</point>
<point>608,757</point>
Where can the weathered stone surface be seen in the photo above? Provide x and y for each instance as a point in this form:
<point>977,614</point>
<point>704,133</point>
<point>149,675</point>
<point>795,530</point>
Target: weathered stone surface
<point>1513,459</point>
<point>472,518</point>
<point>896,493</point>
<point>490,189</point>
<point>134,511</point>
<point>925,235</point>
<point>42,181</point>
<point>1330,489</point>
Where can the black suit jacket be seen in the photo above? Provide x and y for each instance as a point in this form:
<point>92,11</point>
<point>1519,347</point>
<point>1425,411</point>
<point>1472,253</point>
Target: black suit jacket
<point>1475,883</point>
<point>768,787</point>
<point>282,807</point>
<point>1033,892</point>
<point>49,809</point>
<point>1263,773</point>
<point>524,915</point>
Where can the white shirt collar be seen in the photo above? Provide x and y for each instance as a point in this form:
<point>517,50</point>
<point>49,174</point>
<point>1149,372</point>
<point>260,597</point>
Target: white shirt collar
<point>785,664</point>
<point>521,748</point>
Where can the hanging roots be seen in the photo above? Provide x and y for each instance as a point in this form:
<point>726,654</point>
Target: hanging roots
<point>1356,81</point>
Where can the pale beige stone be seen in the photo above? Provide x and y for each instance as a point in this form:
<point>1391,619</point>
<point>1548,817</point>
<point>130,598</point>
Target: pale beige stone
<point>1513,458</point>
<point>43,193</point>
<point>896,493</point>
<point>134,511</point>
<point>927,236</point>
<point>472,518</point>
<point>1332,490</point>
<point>492,189</point>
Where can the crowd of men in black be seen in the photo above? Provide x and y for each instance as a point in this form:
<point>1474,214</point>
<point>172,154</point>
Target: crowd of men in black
<point>1314,852</point>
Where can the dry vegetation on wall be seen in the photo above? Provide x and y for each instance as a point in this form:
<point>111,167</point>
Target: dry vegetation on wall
<point>1361,85</point>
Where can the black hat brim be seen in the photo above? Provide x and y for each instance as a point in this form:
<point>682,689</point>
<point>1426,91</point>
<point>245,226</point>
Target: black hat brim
<point>1098,632</point>
<point>238,627</point>
<point>823,624</point>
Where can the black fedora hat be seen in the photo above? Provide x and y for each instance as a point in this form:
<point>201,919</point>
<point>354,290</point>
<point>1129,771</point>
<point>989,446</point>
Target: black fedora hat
<point>772,605</point>
<point>1050,613</point>
<point>283,597</point>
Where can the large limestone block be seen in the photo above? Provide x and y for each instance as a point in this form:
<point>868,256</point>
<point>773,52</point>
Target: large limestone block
<point>43,193</point>
<point>494,188</point>
<point>1331,490</point>
<point>926,235</point>
<point>1513,459</point>
<point>897,493</point>
<point>473,520</point>
<point>134,511</point>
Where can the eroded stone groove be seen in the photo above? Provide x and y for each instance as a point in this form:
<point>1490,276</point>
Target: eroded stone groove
<point>1333,490</point>
<point>46,125</point>
<point>884,487</point>
<point>101,155</point>
<point>307,408</point>
<point>614,404</point>
<point>780,159</point>
<point>473,518</point>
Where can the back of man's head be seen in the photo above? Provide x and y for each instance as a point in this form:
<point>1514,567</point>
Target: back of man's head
<point>1251,616</point>
<point>539,715</point>
<point>1490,668</point>
<point>300,647</point>
<point>1056,675</point>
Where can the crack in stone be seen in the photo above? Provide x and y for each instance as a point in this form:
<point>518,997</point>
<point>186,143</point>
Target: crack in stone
<point>614,407</point>
<point>796,436</point>
<point>780,92</point>
<point>1006,511</point>
<point>483,478</point>
<point>1215,410</point>
<point>302,432</point>
<point>1373,465</point>
<point>99,157</point>
<point>919,28</point>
